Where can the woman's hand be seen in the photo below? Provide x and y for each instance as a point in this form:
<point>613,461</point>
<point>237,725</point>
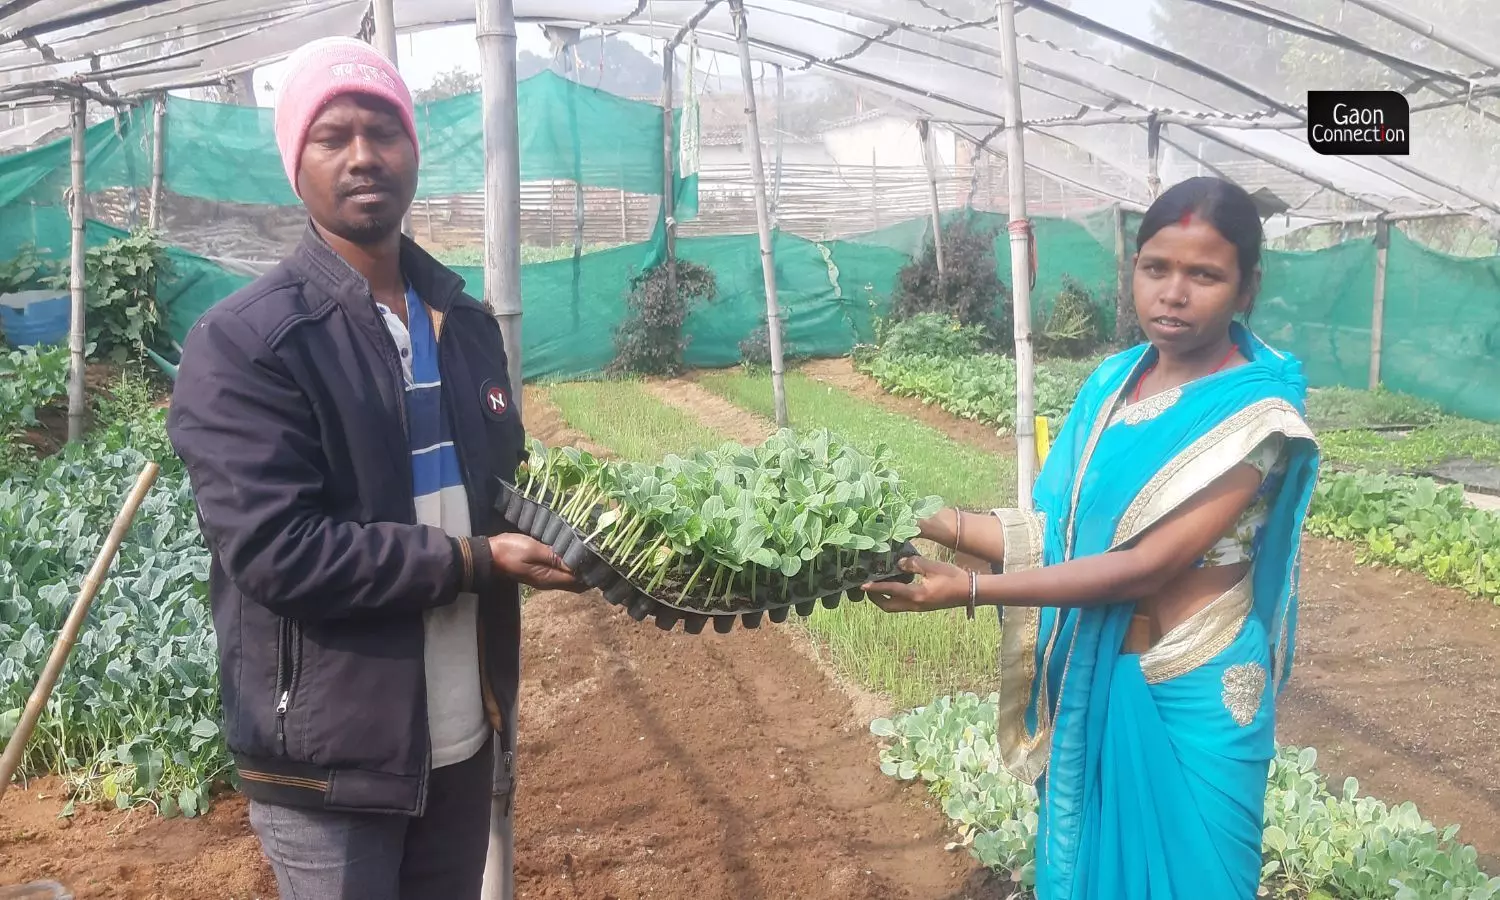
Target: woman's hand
<point>939,586</point>
<point>533,563</point>
<point>939,527</point>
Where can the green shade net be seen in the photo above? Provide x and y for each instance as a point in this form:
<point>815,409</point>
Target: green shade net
<point>1442,328</point>
<point>569,132</point>
<point>1317,306</point>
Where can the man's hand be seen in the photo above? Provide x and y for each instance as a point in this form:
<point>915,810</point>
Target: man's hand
<point>533,563</point>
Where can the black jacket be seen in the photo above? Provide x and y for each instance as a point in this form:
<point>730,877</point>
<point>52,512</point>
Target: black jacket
<point>289,413</point>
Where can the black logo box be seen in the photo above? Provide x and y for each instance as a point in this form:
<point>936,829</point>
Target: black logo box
<point>1359,123</point>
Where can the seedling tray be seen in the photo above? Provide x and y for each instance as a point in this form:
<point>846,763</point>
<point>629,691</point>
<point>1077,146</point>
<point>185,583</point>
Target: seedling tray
<point>539,521</point>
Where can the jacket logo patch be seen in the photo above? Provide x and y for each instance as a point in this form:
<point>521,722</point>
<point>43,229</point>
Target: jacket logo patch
<point>495,401</point>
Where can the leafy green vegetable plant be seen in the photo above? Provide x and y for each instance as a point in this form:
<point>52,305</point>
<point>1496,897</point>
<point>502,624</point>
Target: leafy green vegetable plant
<point>1315,844</point>
<point>121,279</point>
<point>30,378</point>
<point>981,388</point>
<point>1341,407</point>
<point>24,271</point>
<point>930,334</point>
<point>1412,523</point>
<point>1416,451</point>
<point>723,529</point>
<point>135,717</point>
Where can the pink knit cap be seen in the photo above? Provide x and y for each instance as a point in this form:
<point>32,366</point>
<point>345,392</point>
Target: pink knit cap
<point>323,70</point>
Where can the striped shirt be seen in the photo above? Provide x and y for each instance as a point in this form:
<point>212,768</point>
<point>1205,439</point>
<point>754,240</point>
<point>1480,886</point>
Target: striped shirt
<point>455,708</point>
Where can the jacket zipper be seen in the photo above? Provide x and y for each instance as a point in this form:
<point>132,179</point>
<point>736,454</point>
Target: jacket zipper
<point>395,356</point>
<point>288,673</point>
<point>510,782</point>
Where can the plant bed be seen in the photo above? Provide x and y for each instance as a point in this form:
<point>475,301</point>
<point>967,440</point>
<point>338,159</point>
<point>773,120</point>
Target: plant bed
<point>734,534</point>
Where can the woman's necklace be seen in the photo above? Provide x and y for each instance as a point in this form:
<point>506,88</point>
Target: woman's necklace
<point>1141,382</point>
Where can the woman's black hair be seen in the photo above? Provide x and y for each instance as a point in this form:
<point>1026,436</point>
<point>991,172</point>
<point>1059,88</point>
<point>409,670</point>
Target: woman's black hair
<point>1227,207</point>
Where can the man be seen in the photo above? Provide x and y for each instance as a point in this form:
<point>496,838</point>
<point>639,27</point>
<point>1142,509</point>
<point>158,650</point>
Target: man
<point>344,420</point>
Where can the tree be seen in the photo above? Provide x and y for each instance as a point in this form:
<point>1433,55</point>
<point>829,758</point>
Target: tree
<point>453,83</point>
<point>606,63</point>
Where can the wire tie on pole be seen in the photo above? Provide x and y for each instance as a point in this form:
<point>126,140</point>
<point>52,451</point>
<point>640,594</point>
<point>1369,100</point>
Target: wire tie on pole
<point>1023,227</point>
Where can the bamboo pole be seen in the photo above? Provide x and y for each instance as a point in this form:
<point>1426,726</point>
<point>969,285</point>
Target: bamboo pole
<point>77,330</point>
<point>780,147</point>
<point>385,41</point>
<point>495,32</point>
<point>575,294</point>
<point>15,750</point>
<point>495,23</point>
<point>1020,259</point>
<point>929,157</point>
<point>1153,155</point>
<point>1124,305</point>
<point>158,159</point>
<point>762,217</point>
<point>385,28</point>
<point>1377,319</point>
<point>669,164</point>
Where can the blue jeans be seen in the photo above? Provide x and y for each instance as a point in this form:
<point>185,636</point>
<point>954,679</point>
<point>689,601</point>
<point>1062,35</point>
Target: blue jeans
<point>321,855</point>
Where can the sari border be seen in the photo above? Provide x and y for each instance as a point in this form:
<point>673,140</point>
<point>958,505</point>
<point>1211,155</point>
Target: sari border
<point>1202,636</point>
<point>1024,532</point>
<point>1218,451</point>
<point>1022,755</point>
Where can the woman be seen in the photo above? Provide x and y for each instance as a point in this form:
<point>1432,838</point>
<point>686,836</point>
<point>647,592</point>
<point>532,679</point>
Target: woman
<point>1149,601</point>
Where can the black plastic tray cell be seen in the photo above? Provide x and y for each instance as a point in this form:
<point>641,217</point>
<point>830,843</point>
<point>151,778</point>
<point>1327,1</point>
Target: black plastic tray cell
<point>552,530</point>
<point>527,518</point>
<point>539,521</point>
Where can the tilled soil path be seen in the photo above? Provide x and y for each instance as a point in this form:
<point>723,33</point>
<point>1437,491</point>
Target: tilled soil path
<point>674,765</point>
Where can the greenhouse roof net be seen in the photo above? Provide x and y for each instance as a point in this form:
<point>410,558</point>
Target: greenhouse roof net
<point>1225,80</point>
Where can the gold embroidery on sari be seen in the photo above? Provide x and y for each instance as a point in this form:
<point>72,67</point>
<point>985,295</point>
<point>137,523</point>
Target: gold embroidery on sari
<point>1151,407</point>
<point>1204,635</point>
<point>1244,686</point>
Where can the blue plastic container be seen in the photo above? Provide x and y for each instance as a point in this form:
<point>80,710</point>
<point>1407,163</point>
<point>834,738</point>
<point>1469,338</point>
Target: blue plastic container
<point>35,317</point>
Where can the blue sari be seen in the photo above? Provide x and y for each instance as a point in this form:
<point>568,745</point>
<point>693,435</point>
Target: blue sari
<point>1152,768</point>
